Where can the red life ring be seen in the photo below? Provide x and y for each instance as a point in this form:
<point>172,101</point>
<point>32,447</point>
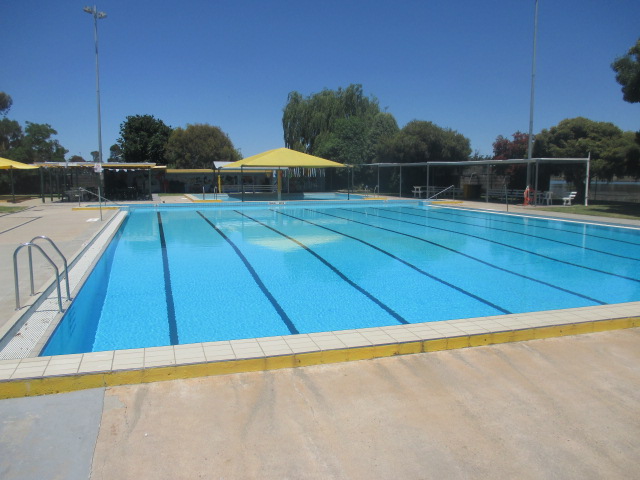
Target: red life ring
<point>527,196</point>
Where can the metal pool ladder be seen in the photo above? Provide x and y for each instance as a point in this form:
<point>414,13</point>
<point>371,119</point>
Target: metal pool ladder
<point>30,245</point>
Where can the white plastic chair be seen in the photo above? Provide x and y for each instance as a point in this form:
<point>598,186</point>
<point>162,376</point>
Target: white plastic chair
<point>548,198</point>
<point>569,199</point>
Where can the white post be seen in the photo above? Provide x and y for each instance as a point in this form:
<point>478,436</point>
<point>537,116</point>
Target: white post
<point>586,182</point>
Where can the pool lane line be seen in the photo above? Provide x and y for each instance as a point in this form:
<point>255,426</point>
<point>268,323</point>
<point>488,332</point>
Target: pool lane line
<point>410,265</point>
<point>334,269</point>
<point>445,211</point>
<point>624,257</point>
<point>539,218</point>
<point>533,279</point>
<point>495,242</point>
<point>171,310</point>
<point>256,278</point>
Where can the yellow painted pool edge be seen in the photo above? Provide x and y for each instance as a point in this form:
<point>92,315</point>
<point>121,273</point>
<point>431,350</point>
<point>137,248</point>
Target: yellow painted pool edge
<point>27,387</point>
<point>94,208</point>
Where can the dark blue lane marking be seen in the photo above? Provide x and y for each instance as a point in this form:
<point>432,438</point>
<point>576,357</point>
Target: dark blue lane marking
<point>631,279</point>
<point>467,256</point>
<point>283,315</point>
<point>410,265</point>
<point>499,220</point>
<point>171,311</point>
<point>529,235</point>
<point>386,308</point>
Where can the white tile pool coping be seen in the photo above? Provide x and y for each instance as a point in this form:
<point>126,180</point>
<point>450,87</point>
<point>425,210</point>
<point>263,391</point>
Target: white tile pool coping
<point>61,373</point>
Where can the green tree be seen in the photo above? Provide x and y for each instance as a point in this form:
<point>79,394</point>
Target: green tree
<point>10,135</point>
<point>613,152</point>
<point>198,146</point>
<point>37,145</point>
<point>309,122</point>
<point>76,158</point>
<point>115,153</point>
<point>143,138</point>
<point>5,103</point>
<point>627,70</point>
<point>422,141</point>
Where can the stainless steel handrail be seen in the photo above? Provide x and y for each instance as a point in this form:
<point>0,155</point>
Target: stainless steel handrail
<point>64,260</point>
<point>100,197</point>
<point>441,191</point>
<point>15,273</point>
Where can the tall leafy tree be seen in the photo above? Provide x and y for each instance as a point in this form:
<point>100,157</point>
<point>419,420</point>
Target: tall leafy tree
<point>422,141</point>
<point>198,146</point>
<point>143,138</point>
<point>504,149</point>
<point>10,135</point>
<point>627,70</point>
<point>115,153</point>
<point>613,152</point>
<point>309,121</point>
<point>5,103</point>
<point>37,145</point>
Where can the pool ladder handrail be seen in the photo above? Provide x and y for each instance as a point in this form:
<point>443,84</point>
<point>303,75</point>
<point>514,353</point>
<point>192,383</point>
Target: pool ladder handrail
<point>51,262</point>
<point>441,191</point>
<point>100,197</point>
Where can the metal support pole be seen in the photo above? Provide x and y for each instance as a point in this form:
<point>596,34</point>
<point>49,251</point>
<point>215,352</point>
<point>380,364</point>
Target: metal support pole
<point>586,182</point>
<point>533,83</point>
<point>42,184</point>
<point>535,188</point>
<point>13,191</point>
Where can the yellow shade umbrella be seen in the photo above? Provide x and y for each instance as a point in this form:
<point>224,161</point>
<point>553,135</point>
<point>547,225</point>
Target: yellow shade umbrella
<point>11,165</point>
<point>282,158</point>
<point>6,164</point>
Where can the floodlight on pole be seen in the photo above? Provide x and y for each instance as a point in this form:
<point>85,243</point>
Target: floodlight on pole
<point>96,16</point>
<point>533,84</point>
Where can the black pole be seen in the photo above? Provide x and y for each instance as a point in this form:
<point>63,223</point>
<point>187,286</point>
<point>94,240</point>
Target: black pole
<point>13,192</point>
<point>41,184</point>
<point>242,181</point>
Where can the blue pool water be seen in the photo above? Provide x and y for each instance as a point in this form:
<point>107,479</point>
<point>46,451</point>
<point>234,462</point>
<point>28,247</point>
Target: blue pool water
<point>198,274</point>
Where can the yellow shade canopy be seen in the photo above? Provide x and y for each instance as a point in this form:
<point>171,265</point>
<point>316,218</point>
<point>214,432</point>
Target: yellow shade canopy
<point>283,157</point>
<point>6,164</point>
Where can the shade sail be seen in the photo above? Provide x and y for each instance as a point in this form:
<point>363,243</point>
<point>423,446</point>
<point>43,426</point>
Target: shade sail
<point>6,164</point>
<point>283,157</point>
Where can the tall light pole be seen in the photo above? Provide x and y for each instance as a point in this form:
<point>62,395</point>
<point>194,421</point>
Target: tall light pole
<point>533,83</point>
<point>98,15</point>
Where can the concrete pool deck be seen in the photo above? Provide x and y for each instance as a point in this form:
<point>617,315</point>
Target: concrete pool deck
<point>189,406</point>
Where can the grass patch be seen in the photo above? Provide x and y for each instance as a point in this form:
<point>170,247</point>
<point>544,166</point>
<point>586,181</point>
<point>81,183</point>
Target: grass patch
<point>174,194</point>
<point>4,209</point>
<point>614,210</point>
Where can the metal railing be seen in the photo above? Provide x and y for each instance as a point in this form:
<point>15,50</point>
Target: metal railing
<point>31,245</point>
<point>442,191</point>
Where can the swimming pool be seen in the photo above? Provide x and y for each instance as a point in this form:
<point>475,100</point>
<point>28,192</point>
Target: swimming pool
<point>195,274</point>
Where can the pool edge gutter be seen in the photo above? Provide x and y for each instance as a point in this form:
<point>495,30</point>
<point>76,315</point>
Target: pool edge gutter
<point>25,386</point>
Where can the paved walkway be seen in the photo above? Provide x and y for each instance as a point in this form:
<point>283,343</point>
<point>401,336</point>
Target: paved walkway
<point>555,408</point>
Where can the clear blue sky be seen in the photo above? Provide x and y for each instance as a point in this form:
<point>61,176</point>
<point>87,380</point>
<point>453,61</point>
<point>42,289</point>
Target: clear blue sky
<point>462,64</point>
